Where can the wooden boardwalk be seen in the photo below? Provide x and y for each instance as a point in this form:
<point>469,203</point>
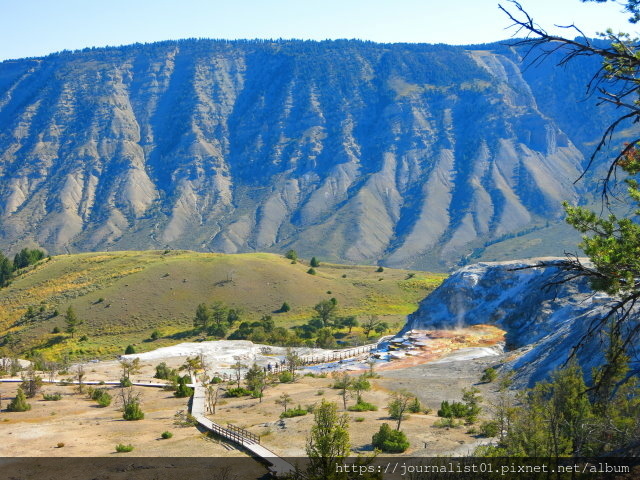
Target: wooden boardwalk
<point>277,465</point>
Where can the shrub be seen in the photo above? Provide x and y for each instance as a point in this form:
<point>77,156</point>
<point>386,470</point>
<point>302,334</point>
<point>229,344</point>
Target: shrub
<point>132,411</point>
<point>19,403</point>
<point>84,338</point>
<point>55,330</point>
<point>415,406</point>
<point>489,429</point>
<point>285,307</point>
<point>184,419</point>
<point>166,435</point>
<point>314,262</point>
<point>120,448</point>
<point>217,331</point>
<point>60,445</point>
<point>155,335</point>
<point>453,410</point>
<point>362,407</point>
<point>294,412</point>
<point>129,350</point>
<point>358,419</point>
<point>216,380</point>
<point>489,375</point>
<point>446,422</point>
<point>237,392</point>
<point>163,372</point>
<point>311,271</point>
<point>380,269</point>
<point>286,377</point>
<point>51,397</point>
<point>125,382</point>
<point>103,399</point>
<point>344,275</point>
<point>182,390</point>
<point>390,441</point>
<point>292,255</point>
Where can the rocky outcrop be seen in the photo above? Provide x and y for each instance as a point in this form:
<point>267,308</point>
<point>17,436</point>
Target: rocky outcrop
<point>406,155</point>
<point>544,322</point>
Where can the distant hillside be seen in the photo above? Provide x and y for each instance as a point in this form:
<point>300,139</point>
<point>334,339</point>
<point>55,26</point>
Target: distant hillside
<point>407,155</point>
<point>123,296</point>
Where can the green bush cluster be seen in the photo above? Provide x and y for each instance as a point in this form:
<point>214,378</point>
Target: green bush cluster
<point>489,375</point>
<point>51,397</point>
<point>489,429</point>
<point>132,411</point>
<point>452,410</point>
<point>182,389</point>
<point>164,372</point>
<point>415,406</point>
<point>362,407</point>
<point>238,392</point>
<point>101,396</point>
<point>294,412</point>
<point>121,448</point>
<point>390,441</point>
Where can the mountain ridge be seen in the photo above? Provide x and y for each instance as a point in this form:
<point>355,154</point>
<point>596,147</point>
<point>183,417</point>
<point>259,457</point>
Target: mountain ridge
<point>401,154</point>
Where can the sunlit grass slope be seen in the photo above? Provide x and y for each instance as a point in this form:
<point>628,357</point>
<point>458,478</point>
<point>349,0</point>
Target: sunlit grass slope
<point>123,296</point>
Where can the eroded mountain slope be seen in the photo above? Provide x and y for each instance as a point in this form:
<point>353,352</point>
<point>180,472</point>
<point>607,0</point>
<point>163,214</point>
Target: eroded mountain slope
<point>409,155</point>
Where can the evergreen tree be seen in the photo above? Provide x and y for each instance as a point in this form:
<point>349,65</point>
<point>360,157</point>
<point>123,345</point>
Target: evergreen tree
<point>19,403</point>
<point>27,257</point>
<point>284,308</point>
<point>390,441</point>
<point>183,390</point>
<point>202,318</point>
<point>292,255</point>
<point>314,262</point>
<point>256,379</point>
<point>326,311</point>
<point>6,270</point>
<point>72,321</point>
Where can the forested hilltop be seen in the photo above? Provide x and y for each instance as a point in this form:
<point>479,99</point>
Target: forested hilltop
<point>408,155</point>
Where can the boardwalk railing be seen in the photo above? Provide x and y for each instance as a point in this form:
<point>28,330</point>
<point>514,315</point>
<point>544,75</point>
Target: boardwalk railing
<point>233,433</point>
<point>278,466</point>
<point>245,434</point>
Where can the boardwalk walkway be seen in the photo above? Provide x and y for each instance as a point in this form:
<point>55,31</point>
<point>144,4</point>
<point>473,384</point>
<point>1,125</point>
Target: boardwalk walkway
<point>277,466</point>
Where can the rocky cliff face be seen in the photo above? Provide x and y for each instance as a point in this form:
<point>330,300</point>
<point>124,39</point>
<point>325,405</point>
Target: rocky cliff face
<point>543,323</point>
<point>409,155</point>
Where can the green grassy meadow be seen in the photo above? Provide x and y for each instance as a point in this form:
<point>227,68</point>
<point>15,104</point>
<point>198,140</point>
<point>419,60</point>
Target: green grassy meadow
<point>122,297</point>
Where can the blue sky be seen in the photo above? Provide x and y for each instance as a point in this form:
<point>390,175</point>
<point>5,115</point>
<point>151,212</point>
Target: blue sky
<point>39,27</point>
